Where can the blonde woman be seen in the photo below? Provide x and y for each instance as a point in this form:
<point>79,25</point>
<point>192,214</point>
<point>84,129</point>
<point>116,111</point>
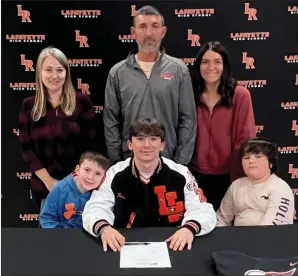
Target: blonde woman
<point>57,124</point>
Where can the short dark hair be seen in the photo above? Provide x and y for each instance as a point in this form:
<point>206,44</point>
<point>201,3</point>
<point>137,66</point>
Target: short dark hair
<point>96,157</point>
<point>147,127</point>
<point>149,10</point>
<point>226,88</point>
<point>264,146</point>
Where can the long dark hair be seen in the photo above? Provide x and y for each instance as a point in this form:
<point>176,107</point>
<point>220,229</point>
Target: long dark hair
<point>227,84</point>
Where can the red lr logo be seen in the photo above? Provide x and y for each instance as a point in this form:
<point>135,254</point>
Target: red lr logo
<point>168,206</point>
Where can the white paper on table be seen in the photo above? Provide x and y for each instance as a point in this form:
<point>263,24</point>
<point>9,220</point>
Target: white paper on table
<point>144,255</point>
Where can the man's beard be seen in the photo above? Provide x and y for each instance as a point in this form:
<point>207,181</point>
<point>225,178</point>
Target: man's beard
<point>149,48</point>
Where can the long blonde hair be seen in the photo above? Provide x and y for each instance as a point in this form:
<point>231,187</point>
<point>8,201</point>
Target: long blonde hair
<point>68,96</point>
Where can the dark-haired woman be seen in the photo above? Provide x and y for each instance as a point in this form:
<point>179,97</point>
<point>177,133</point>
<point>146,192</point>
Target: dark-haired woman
<point>225,119</point>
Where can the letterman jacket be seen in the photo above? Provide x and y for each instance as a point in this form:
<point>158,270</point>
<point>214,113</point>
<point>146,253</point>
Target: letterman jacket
<point>171,198</point>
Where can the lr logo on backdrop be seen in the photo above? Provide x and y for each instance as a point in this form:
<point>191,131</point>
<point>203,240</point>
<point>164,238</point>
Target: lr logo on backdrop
<point>84,87</point>
<point>82,39</point>
<point>251,12</point>
<point>24,14</point>
<point>194,38</point>
<point>133,10</point>
<point>295,127</point>
<point>249,61</point>
<point>28,63</point>
<point>293,171</point>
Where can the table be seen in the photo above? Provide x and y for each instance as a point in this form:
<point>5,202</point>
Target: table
<point>74,252</point>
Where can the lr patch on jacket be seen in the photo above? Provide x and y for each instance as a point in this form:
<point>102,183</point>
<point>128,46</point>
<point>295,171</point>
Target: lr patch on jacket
<point>168,206</point>
<point>70,211</point>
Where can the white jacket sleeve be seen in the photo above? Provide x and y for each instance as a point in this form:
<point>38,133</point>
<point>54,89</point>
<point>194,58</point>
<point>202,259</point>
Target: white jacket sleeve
<point>99,209</point>
<point>196,207</point>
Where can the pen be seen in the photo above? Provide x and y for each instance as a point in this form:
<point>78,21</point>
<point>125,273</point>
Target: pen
<point>136,243</point>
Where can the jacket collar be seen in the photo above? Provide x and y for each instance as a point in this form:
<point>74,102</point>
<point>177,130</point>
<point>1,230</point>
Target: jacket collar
<point>136,173</point>
<point>131,60</point>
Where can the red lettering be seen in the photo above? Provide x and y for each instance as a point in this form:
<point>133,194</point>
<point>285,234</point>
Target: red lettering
<point>295,127</point>
<point>133,10</point>
<point>249,61</point>
<point>194,38</point>
<point>24,14</point>
<point>27,63</point>
<point>293,171</point>
<point>293,9</point>
<point>84,87</point>
<point>82,39</point>
<point>251,12</point>
<point>168,206</point>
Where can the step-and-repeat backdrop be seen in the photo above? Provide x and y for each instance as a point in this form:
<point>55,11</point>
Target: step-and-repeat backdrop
<point>261,36</point>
